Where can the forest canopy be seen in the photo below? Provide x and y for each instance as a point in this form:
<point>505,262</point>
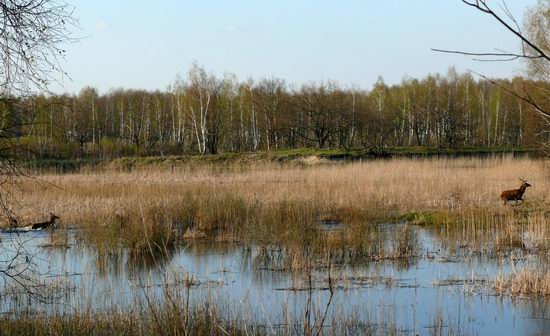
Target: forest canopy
<point>205,114</point>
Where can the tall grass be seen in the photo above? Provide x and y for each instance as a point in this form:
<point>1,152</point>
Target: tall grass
<point>281,210</point>
<point>273,204</point>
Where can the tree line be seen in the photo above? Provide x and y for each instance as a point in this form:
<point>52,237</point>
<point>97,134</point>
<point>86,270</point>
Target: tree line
<point>202,113</point>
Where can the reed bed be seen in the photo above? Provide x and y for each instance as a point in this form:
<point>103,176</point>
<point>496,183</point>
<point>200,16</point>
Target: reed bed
<point>287,212</point>
<point>165,321</point>
<point>524,283</point>
<point>285,204</point>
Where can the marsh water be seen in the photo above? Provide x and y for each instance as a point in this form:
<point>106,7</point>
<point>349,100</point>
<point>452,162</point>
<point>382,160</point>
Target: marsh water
<point>442,287</point>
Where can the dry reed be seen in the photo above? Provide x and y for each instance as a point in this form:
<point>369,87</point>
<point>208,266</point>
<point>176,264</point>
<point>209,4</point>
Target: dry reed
<point>525,283</point>
<point>272,204</point>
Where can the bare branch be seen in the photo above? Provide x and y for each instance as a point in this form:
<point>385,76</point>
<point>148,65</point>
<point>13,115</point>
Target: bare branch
<point>32,41</point>
<point>482,6</point>
<point>499,54</point>
<point>526,99</point>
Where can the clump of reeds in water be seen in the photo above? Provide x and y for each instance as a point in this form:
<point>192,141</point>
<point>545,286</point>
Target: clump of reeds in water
<point>405,244</point>
<point>511,237</point>
<point>525,283</point>
<point>496,230</point>
<point>295,226</point>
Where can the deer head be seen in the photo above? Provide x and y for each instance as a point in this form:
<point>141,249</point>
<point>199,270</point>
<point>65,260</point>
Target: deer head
<point>53,218</point>
<point>525,183</point>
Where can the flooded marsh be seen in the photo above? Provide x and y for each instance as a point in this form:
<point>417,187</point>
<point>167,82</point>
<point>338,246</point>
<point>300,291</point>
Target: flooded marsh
<point>379,247</point>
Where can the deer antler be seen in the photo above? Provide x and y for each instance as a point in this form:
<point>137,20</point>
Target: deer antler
<point>522,180</point>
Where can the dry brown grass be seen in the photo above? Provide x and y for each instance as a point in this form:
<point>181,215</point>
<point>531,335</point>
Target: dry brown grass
<point>271,203</point>
<point>525,283</point>
<point>394,185</point>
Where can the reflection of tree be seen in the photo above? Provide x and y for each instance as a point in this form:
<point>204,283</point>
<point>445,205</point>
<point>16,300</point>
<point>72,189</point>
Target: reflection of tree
<point>20,264</point>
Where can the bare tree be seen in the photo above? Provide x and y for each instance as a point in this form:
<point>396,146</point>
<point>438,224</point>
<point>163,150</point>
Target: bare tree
<point>322,109</point>
<point>270,93</point>
<point>534,42</point>
<point>203,88</point>
<point>33,34</point>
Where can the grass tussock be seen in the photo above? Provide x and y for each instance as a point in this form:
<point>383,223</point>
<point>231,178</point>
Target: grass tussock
<point>406,244</point>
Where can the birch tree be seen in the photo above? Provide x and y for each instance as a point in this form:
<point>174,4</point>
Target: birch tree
<point>202,90</point>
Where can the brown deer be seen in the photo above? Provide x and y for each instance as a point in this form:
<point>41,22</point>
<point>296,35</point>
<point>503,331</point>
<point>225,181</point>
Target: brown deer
<point>514,194</point>
<point>45,225</point>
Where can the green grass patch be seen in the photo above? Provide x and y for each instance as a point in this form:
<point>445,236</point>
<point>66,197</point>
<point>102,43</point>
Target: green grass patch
<point>291,155</point>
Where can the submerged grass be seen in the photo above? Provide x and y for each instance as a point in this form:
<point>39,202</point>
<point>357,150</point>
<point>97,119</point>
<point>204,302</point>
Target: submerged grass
<point>178,309</point>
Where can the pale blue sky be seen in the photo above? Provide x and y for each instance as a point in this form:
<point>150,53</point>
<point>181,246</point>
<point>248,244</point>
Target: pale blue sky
<point>145,43</point>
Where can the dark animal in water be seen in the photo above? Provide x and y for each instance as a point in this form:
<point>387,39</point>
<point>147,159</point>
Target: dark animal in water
<point>514,194</point>
<point>45,225</point>
<point>13,222</point>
